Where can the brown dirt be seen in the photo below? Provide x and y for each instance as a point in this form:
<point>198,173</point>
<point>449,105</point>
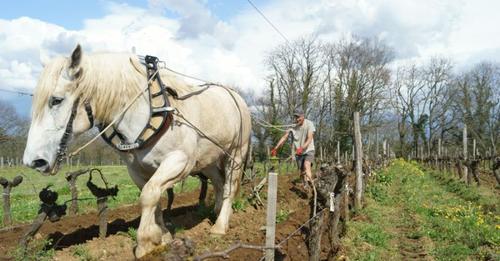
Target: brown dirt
<point>77,235</point>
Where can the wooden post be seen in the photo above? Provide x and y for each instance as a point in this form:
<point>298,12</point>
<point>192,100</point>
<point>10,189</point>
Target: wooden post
<point>314,243</point>
<point>338,152</point>
<point>102,208</point>
<point>7,187</point>
<point>474,149</point>
<point>376,144</point>
<point>71,178</point>
<point>384,148</point>
<point>464,140</point>
<point>345,196</point>
<point>439,148</point>
<point>271,215</point>
<point>359,163</point>
<point>1,162</point>
<point>37,224</point>
<point>7,215</point>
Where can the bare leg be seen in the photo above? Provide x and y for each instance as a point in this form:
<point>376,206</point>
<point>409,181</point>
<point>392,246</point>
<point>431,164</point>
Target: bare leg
<point>307,171</point>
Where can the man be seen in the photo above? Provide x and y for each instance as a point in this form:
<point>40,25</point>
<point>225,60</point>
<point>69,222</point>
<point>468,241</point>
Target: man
<point>303,143</point>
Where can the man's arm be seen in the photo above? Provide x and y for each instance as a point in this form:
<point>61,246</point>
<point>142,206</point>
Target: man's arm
<point>282,140</point>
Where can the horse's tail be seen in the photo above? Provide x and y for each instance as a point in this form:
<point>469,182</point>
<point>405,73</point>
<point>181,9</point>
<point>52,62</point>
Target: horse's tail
<point>248,163</point>
<point>249,158</point>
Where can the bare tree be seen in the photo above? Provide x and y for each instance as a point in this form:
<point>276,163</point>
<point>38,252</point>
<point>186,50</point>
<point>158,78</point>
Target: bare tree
<point>358,77</point>
<point>475,101</point>
<point>437,76</point>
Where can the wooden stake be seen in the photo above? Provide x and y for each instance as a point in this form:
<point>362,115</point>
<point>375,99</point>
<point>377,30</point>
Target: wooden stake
<point>464,140</point>
<point>271,215</point>
<point>439,148</point>
<point>359,162</point>
<point>338,152</point>
<point>102,208</point>
<point>474,149</point>
<point>7,216</point>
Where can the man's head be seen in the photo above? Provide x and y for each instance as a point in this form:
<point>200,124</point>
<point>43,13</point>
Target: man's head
<point>298,114</point>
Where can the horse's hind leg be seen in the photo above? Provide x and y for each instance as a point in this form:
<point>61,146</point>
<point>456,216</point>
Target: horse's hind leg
<point>215,174</point>
<point>151,233</point>
<point>231,184</point>
<point>203,190</point>
<point>170,198</point>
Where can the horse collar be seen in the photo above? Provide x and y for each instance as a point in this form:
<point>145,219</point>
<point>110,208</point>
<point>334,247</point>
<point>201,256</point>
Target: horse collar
<point>160,115</point>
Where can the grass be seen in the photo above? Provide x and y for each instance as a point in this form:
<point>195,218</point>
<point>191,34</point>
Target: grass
<point>36,250</point>
<point>132,233</point>
<point>407,204</point>
<point>282,215</point>
<point>25,202</point>
<point>82,253</point>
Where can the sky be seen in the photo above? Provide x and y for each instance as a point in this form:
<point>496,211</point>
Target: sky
<point>227,41</point>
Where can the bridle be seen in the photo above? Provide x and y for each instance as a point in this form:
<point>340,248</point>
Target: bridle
<point>63,144</point>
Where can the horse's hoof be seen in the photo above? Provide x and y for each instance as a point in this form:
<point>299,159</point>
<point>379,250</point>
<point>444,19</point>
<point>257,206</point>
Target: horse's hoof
<point>217,231</point>
<point>140,252</point>
<point>166,238</point>
<point>150,254</point>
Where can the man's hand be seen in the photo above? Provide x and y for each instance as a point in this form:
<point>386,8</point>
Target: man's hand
<point>299,151</point>
<point>274,152</point>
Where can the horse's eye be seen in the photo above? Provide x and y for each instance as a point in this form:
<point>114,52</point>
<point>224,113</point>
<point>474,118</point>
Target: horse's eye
<point>53,101</point>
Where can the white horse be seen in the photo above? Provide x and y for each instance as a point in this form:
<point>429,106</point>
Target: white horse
<point>209,131</point>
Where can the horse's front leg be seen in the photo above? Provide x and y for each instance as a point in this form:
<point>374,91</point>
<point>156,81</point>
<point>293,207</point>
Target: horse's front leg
<point>150,232</point>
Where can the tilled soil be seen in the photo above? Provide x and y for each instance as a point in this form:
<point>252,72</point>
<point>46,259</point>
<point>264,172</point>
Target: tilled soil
<point>76,236</point>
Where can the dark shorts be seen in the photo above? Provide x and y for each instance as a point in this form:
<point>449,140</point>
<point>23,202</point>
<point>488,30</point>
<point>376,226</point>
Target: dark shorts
<point>301,158</point>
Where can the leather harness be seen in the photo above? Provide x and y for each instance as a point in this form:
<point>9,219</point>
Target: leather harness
<point>160,113</point>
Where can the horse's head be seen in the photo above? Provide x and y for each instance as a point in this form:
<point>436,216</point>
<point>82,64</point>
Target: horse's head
<point>58,113</point>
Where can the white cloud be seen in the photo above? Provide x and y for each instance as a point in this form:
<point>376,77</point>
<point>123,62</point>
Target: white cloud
<point>195,18</point>
<point>196,42</point>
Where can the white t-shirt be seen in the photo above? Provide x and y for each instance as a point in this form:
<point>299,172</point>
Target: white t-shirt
<point>300,135</point>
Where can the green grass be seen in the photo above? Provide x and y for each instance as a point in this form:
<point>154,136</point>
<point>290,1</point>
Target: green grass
<point>282,215</point>
<point>25,202</point>
<point>450,220</point>
<point>35,250</point>
<point>285,168</point>
<point>82,253</point>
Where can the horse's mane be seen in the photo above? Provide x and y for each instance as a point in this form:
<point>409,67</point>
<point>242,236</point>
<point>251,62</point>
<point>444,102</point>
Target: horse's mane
<point>46,84</point>
<point>108,80</point>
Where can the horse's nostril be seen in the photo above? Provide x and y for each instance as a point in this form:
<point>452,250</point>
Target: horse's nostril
<point>39,163</point>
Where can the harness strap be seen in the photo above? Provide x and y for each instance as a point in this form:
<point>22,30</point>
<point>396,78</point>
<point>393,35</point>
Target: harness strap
<point>160,113</point>
<point>90,115</point>
<point>63,145</point>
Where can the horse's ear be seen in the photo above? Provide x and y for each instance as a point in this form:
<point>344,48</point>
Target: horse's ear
<point>76,57</point>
